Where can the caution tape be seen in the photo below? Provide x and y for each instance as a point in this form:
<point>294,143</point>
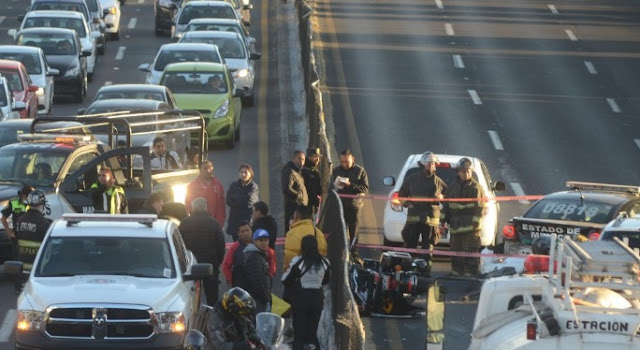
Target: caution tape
<point>440,252</point>
<point>279,241</point>
<point>425,199</point>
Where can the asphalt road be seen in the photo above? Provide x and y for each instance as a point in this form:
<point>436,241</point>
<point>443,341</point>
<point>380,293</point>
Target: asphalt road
<point>542,91</point>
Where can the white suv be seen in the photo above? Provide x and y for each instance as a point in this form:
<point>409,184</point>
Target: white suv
<point>624,228</point>
<point>395,215</point>
<point>109,281</point>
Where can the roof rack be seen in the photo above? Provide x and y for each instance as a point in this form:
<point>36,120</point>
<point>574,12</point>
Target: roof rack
<point>579,185</point>
<point>145,219</point>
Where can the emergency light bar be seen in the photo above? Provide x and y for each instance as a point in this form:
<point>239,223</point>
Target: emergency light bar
<point>62,138</point>
<point>145,219</point>
<point>603,187</point>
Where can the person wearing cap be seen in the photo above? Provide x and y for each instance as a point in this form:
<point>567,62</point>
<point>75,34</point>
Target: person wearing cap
<point>423,218</point>
<point>202,235</point>
<point>233,263</point>
<point>311,176</point>
<point>256,268</point>
<point>464,218</point>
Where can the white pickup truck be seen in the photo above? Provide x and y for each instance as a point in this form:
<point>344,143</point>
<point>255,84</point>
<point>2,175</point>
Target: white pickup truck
<point>592,302</point>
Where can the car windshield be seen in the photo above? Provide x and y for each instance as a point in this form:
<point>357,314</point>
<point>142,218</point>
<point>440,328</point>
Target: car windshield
<point>37,166</point>
<point>199,27</point>
<point>51,44</point>
<point>193,12</point>
<point>131,95</point>
<point>229,48</point>
<point>76,24</point>
<point>13,78</point>
<point>632,236</point>
<point>172,56</point>
<point>31,61</point>
<point>195,82</point>
<point>61,6</point>
<point>572,210</point>
<point>126,256</point>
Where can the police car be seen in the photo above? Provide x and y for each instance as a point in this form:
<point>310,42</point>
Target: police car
<point>105,281</point>
<point>581,212</point>
<point>395,215</point>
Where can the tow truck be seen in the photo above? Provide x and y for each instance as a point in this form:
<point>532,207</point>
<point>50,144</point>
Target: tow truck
<point>588,298</point>
<point>71,162</point>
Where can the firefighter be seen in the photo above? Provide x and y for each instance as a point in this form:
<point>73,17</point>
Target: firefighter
<point>17,207</point>
<point>423,218</point>
<point>31,228</point>
<point>108,197</point>
<point>465,218</point>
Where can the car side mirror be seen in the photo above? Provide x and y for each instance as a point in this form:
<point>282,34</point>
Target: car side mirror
<point>106,12</point>
<point>255,56</point>
<point>52,72</point>
<point>13,268</point>
<point>85,53</point>
<point>499,186</point>
<point>198,272</point>
<point>19,106</point>
<point>389,181</point>
<point>145,67</point>
<point>12,33</point>
<point>238,93</point>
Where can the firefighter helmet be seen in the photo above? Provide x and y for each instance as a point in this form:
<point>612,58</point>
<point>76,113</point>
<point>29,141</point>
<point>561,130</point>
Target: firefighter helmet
<point>429,156</point>
<point>36,198</point>
<point>465,163</point>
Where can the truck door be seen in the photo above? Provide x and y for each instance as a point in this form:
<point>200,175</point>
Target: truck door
<point>136,181</point>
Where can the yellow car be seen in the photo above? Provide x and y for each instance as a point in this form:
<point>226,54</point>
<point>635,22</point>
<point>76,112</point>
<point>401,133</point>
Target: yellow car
<point>209,89</point>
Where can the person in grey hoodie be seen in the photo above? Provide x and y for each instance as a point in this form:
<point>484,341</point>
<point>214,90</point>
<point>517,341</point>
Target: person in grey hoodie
<point>256,267</point>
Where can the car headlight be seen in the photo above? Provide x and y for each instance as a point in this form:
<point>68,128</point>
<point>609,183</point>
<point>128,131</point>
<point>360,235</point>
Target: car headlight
<point>222,110</point>
<point>29,321</point>
<point>179,193</point>
<point>241,73</point>
<point>72,72</point>
<point>171,322</point>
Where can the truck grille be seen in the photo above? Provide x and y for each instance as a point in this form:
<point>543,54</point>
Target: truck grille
<point>99,322</point>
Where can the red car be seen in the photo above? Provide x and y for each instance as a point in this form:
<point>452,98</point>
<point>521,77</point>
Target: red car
<point>21,85</point>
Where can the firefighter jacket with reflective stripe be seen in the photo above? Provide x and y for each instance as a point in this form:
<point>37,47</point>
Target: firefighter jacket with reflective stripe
<point>423,185</point>
<point>110,200</point>
<point>464,216</point>
<point>30,231</point>
<point>15,209</point>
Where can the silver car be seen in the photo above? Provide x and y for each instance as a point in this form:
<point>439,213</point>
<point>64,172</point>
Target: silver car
<point>201,9</point>
<point>223,25</point>
<point>38,68</point>
<point>235,54</point>
<point>179,52</point>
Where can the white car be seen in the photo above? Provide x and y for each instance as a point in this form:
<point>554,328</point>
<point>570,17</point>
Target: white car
<point>201,9</point>
<point>222,25</point>
<point>395,215</point>
<point>178,52</point>
<point>9,107</point>
<point>235,54</point>
<point>38,68</point>
<point>68,20</point>
<point>120,281</point>
<point>112,17</point>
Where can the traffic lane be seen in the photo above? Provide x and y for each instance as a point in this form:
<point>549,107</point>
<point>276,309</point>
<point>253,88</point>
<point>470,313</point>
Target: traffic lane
<point>7,313</point>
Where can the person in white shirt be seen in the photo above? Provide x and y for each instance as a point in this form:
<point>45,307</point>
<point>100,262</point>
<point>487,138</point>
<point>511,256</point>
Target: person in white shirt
<point>163,159</point>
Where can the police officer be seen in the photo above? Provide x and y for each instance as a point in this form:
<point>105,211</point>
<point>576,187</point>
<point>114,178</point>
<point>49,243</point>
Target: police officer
<point>423,218</point>
<point>31,228</point>
<point>465,218</point>
<point>107,196</point>
<point>17,207</point>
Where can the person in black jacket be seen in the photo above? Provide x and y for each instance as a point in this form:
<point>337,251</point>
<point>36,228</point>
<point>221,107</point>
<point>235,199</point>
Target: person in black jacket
<point>202,234</point>
<point>312,180</point>
<point>351,179</point>
<point>260,219</point>
<point>256,266</point>
<point>31,228</point>
<point>241,196</point>
<point>293,188</point>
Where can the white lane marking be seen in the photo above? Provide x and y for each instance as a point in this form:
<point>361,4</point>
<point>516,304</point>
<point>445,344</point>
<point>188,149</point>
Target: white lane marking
<point>571,35</point>
<point>449,29</point>
<point>132,23</point>
<point>140,2</point>
<point>439,4</point>
<point>590,67</point>
<point>637,141</point>
<point>457,61</point>
<point>2,18</point>
<point>107,83</point>
<point>475,97</point>
<point>8,325</point>
<point>517,189</point>
<point>614,105</point>
<point>553,9</point>
<point>120,53</point>
<point>497,144</point>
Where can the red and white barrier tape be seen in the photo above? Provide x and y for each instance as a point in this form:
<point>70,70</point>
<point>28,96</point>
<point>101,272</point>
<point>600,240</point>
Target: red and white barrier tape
<point>424,199</point>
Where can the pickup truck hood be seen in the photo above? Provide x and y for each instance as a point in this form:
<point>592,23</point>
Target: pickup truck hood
<point>530,228</point>
<point>159,294</point>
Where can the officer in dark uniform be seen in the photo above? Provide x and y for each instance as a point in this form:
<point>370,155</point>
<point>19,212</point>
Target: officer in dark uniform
<point>311,176</point>
<point>31,228</point>
<point>17,207</point>
<point>423,218</point>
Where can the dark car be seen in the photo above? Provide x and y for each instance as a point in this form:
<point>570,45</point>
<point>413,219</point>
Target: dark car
<point>164,11</point>
<point>580,212</point>
<point>63,52</point>
<point>136,92</point>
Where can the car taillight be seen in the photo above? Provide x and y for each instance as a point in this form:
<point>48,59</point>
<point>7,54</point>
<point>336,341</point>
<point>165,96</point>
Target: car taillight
<point>594,235</point>
<point>532,330</point>
<point>396,205</point>
<point>509,231</point>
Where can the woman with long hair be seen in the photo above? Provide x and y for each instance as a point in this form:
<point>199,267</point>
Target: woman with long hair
<point>307,274</point>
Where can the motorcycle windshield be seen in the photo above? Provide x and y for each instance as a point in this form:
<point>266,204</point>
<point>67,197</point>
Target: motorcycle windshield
<point>269,327</point>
